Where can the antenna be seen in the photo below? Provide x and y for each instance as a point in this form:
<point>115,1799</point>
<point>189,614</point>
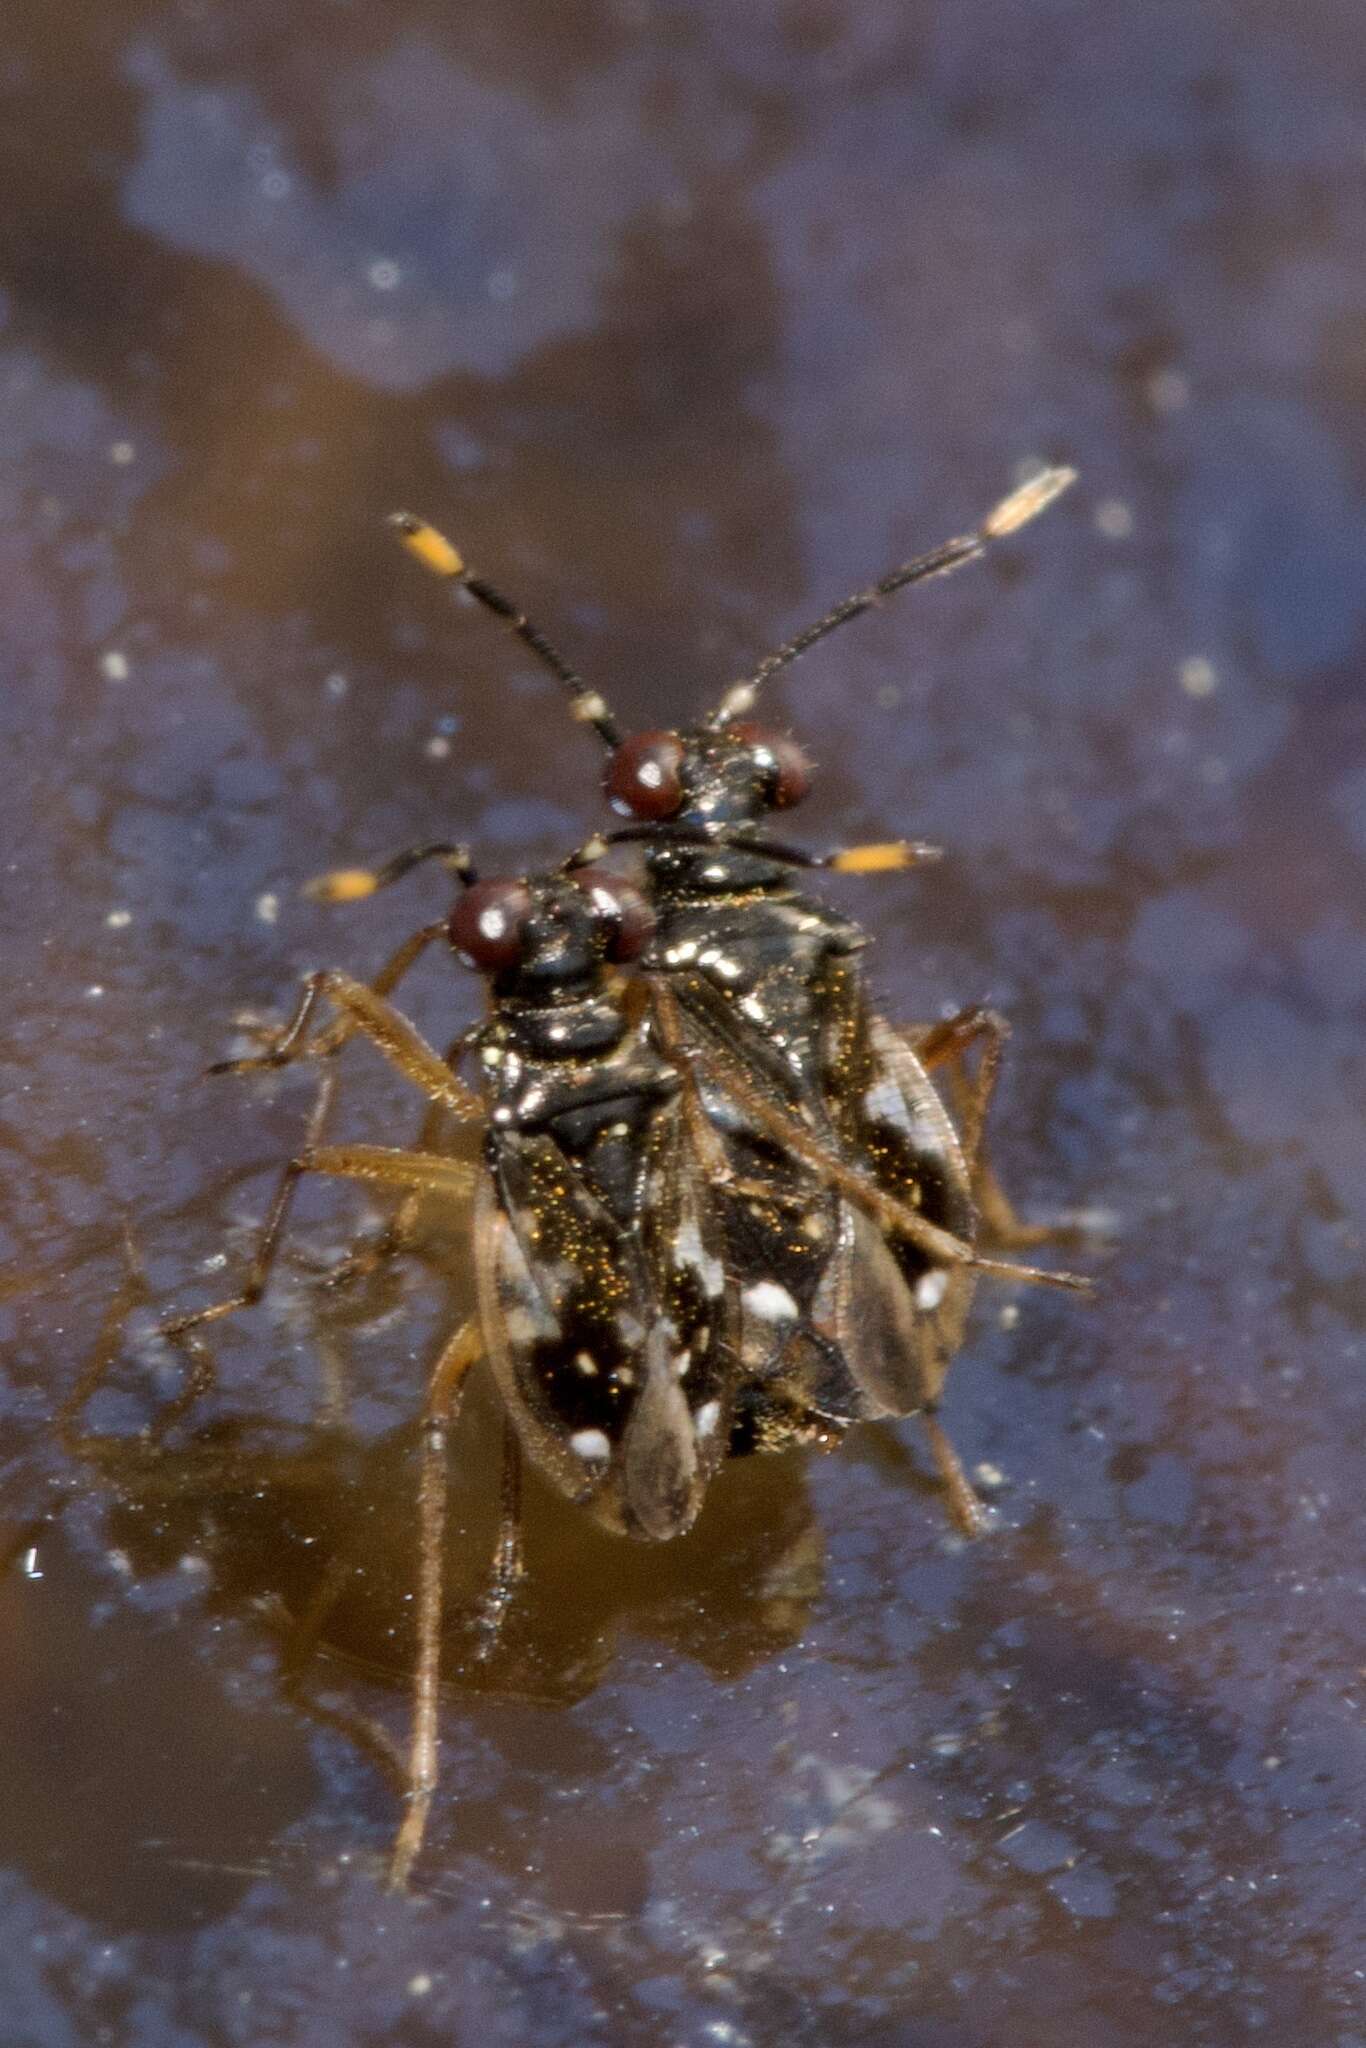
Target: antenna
<point>1013,512</point>
<point>439,558</point>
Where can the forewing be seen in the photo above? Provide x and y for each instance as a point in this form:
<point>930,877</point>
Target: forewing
<point>585,1360</point>
<point>686,1275</point>
<point>897,1316</point>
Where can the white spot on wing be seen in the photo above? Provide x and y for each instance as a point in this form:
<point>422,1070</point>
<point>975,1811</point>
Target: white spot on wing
<point>885,1102</point>
<point>931,1288</point>
<point>771,1303</point>
<point>690,1251</point>
<point>591,1445</point>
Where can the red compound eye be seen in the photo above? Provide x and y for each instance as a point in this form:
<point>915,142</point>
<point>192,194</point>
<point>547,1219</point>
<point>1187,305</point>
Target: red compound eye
<point>487,925</point>
<point>782,762</point>
<point>644,776</point>
<point>628,917</point>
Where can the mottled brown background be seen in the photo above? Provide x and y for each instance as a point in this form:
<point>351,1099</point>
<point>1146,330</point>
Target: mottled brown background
<point>687,317</point>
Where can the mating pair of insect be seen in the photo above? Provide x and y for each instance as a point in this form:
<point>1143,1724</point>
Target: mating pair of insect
<point>722,1206</point>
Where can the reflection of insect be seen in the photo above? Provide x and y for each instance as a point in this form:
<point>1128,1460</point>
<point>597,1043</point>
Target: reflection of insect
<point>758,1001</point>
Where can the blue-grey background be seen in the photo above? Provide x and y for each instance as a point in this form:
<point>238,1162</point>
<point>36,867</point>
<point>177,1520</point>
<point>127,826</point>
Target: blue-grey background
<point>686,318</point>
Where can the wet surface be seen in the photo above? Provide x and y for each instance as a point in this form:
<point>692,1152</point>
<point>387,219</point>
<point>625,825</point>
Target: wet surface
<point>687,319</point>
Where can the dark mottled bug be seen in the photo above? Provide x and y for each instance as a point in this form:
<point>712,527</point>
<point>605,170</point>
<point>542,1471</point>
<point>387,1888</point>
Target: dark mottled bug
<point>853,1208</point>
<point>604,1304</point>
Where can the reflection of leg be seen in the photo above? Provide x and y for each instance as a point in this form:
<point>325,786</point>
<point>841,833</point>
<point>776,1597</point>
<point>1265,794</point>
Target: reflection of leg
<point>947,1044</point>
<point>964,1505</point>
<point>507,1557</point>
<point>443,1395</point>
<point>133,1293</point>
<point>182,1330</point>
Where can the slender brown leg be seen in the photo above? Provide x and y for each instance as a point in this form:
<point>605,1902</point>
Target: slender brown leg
<point>726,1074</point>
<point>181,1330</point>
<point>709,1153</point>
<point>292,1041</point>
<point>443,1393</point>
<point>428,1173</point>
<point>964,1505</point>
<point>396,1236</point>
<point>947,1044</point>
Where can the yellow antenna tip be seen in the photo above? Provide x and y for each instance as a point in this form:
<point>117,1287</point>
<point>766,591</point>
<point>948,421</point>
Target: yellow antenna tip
<point>1027,502</point>
<point>426,545</point>
<point>342,885</point>
<point>883,857</point>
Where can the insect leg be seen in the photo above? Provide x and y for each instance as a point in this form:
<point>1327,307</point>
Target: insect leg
<point>439,1409</point>
<point>404,1046</point>
<point>292,1042</point>
<point>708,1149</point>
<point>964,1505</point>
<point>428,1173</point>
<point>181,1330</point>
<point>366,1012</point>
<point>397,1234</point>
<point>728,1075</point>
<point>947,1044</point>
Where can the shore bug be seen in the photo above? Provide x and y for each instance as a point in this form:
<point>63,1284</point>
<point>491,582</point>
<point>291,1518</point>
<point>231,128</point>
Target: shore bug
<point>603,1299</point>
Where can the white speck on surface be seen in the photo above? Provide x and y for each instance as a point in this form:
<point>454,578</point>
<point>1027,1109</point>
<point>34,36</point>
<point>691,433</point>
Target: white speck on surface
<point>419,1986</point>
<point>114,666</point>
<point>122,453</point>
<point>1009,1316</point>
<point>1168,390</point>
<point>119,920</point>
<point>1114,519</point>
<point>1198,676</point>
<point>268,907</point>
<point>989,1476</point>
<point>95,991</point>
<point>29,1564</point>
<point>706,1418</point>
<point>383,274</point>
<point>437,748</point>
<point>336,685</point>
<point>275,184</point>
<point>587,1365</point>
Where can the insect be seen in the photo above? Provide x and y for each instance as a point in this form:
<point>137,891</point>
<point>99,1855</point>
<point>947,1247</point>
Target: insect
<point>604,1304</point>
<point>759,1003</point>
